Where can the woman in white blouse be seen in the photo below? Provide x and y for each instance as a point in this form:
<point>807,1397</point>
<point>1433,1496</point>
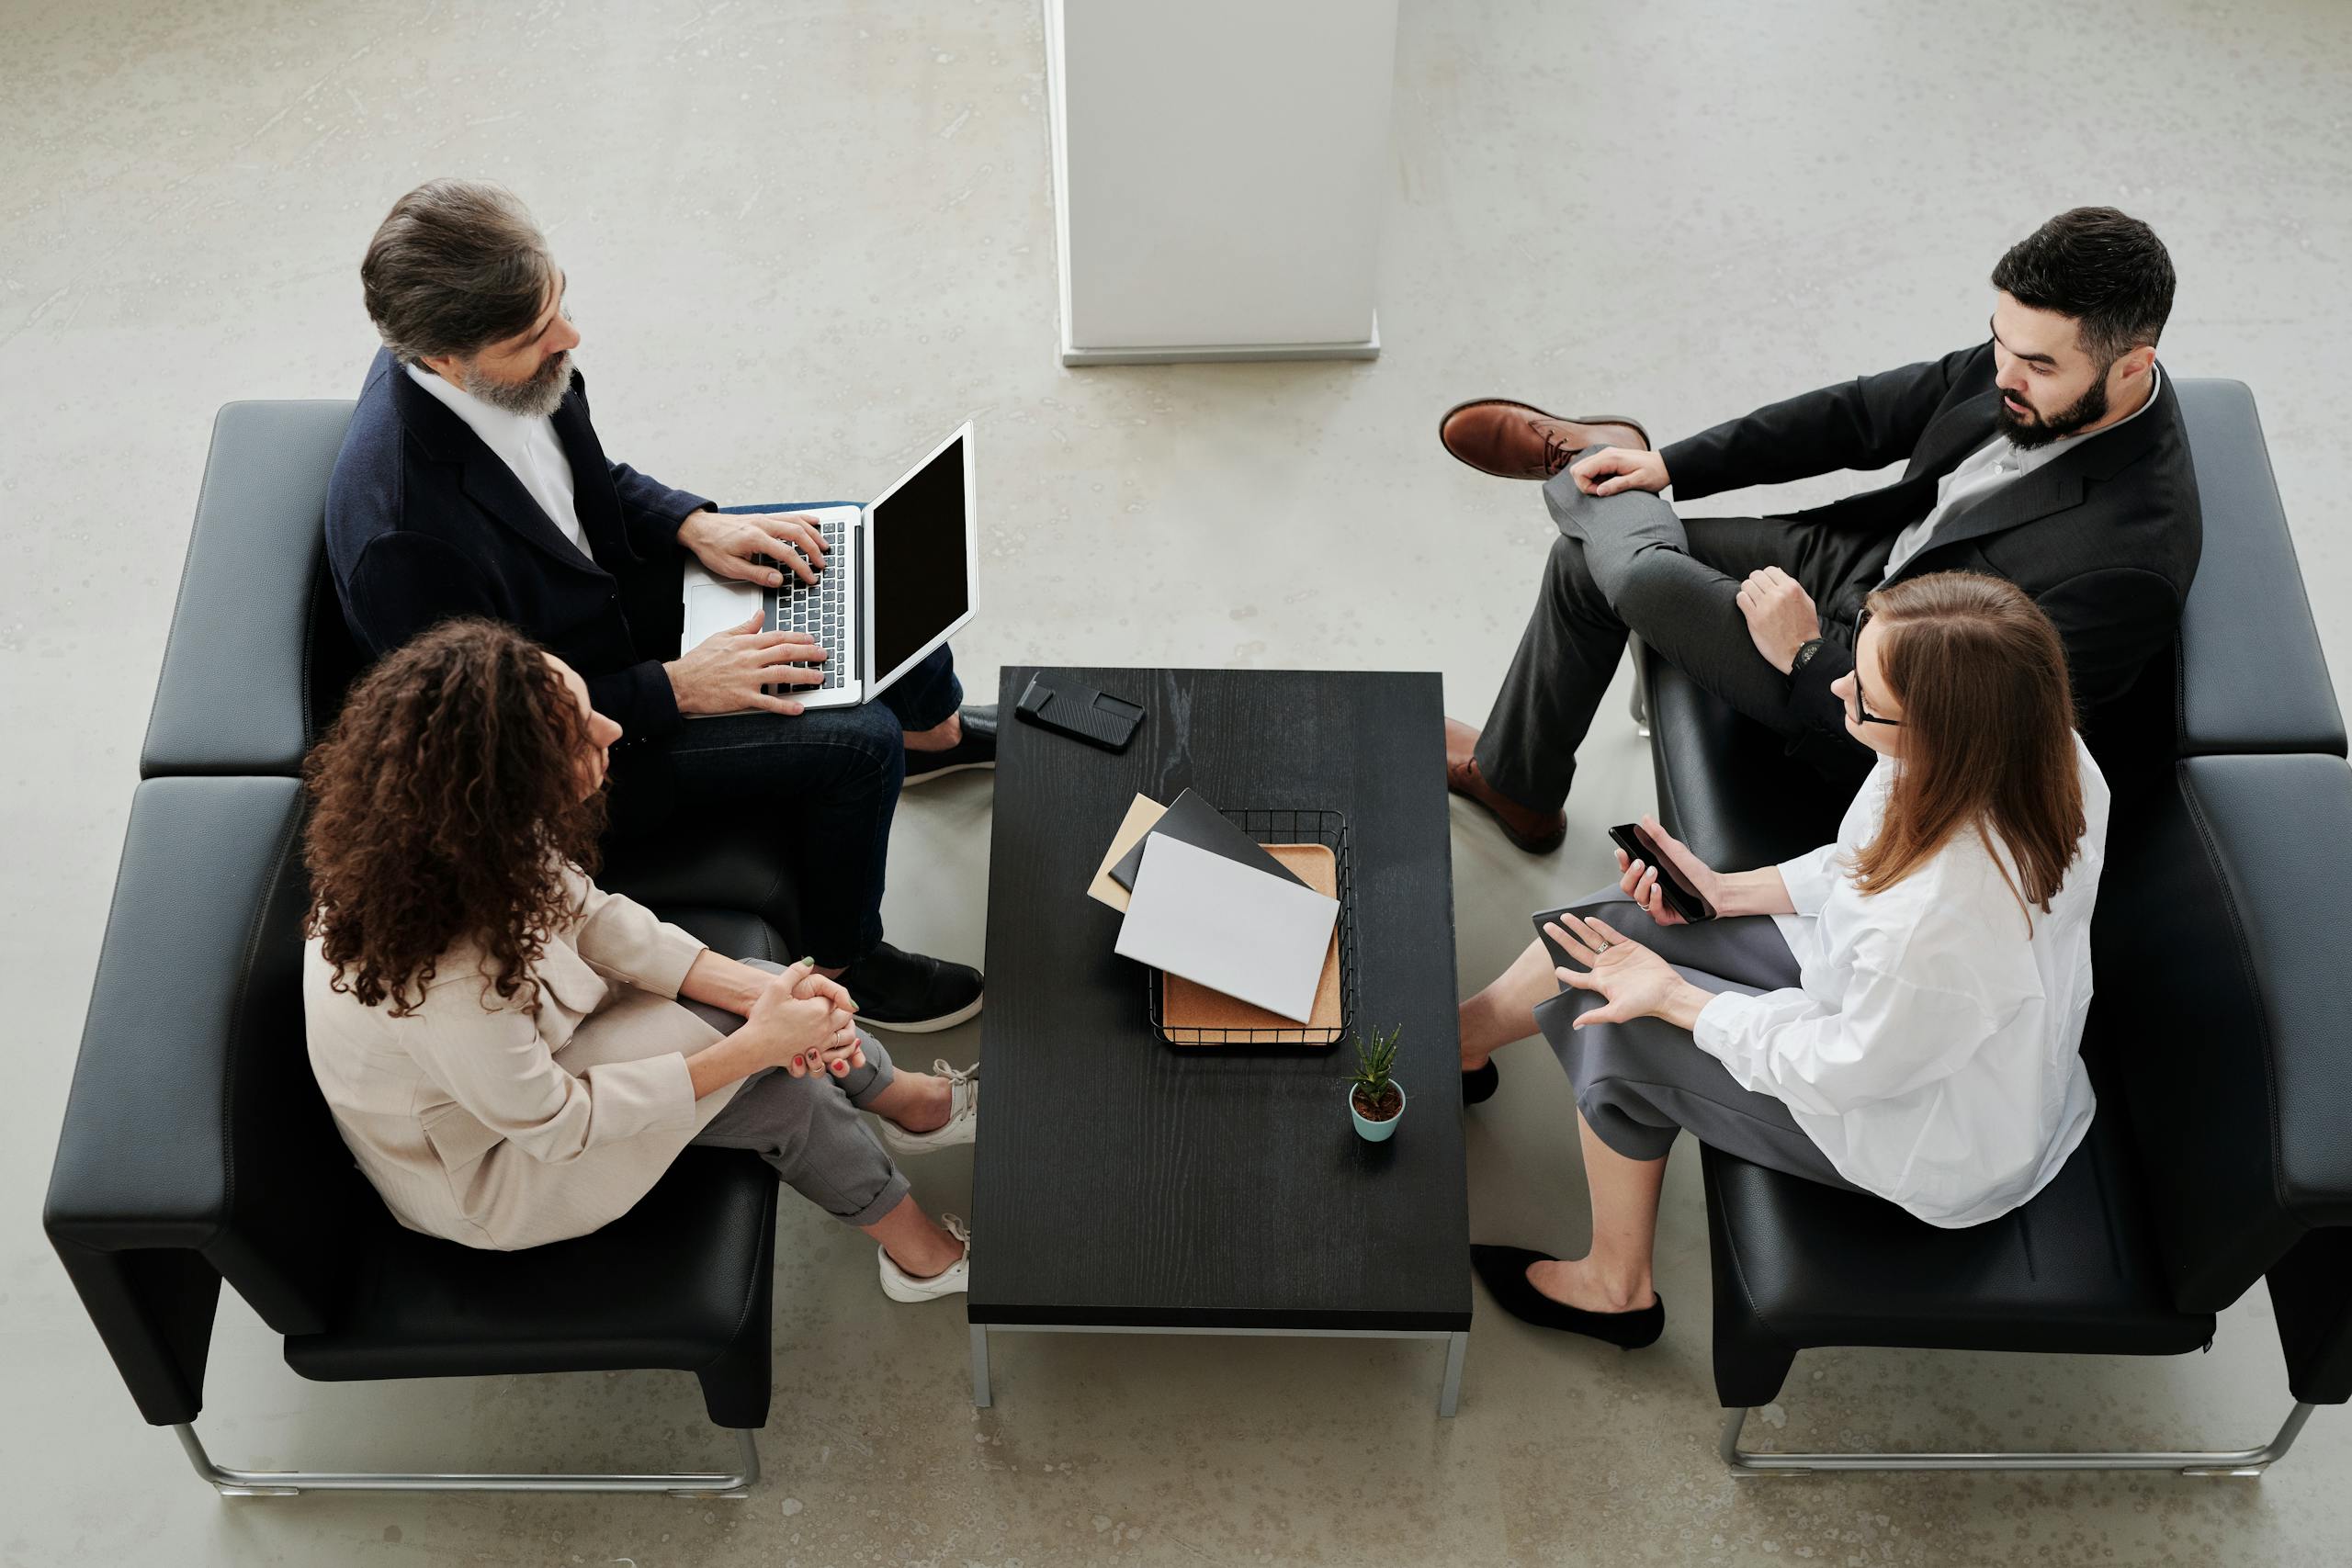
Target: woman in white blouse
<point>1899,1012</point>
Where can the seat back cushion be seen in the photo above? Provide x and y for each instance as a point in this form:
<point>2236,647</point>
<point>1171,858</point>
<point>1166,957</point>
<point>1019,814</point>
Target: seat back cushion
<point>2248,674</point>
<point>258,657</point>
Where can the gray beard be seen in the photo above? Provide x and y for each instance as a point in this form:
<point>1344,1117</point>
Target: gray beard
<point>535,399</point>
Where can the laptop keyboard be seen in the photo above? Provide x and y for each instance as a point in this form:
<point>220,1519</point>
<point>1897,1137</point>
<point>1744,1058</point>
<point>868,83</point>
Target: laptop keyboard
<point>819,608</point>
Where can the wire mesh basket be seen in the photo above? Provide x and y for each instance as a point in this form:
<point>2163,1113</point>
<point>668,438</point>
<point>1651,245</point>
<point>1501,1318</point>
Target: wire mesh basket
<point>1265,1030</point>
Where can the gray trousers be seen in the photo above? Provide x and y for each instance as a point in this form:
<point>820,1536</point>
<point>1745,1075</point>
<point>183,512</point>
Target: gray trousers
<point>1626,562</point>
<point>1640,1082</point>
<point>809,1129</point>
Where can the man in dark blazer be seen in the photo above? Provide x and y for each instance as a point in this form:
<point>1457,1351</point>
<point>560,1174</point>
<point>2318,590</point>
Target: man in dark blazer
<point>2053,455</point>
<point>472,482</point>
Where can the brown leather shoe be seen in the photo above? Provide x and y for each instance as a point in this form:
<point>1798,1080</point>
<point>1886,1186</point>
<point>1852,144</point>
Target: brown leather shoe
<point>1515,441</point>
<point>1537,833</point>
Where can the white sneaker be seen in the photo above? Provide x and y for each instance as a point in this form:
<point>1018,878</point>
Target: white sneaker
<point>955,1278</point>
<point>963,1115</point>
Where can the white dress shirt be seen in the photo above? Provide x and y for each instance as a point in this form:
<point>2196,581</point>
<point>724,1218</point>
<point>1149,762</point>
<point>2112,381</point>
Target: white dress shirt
<point>526,446</point>
<point>1998,463</point>
<point>1931,1048</point>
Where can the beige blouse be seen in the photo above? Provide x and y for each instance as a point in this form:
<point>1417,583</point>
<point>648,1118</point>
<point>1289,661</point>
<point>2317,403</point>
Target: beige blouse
<point>479,1123</point>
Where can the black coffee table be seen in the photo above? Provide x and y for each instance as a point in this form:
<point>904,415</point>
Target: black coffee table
<point>1122,1185</point>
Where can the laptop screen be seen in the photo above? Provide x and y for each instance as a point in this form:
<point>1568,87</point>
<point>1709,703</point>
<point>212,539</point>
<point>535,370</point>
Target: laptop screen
<point>922,583</point>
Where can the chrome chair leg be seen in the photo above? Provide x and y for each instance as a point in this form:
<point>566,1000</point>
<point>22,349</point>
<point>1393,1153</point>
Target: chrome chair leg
<point>2242,1461</point>
<point>290,1482</point>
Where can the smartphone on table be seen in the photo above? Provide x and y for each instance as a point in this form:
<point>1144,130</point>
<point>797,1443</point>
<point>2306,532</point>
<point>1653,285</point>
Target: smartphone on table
<point>1673,887</point>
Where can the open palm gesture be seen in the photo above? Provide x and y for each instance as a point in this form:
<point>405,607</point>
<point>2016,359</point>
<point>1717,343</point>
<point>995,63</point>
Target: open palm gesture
<point>1632,981</point>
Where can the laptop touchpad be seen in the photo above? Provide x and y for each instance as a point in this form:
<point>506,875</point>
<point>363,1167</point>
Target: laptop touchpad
<point>713,607</point>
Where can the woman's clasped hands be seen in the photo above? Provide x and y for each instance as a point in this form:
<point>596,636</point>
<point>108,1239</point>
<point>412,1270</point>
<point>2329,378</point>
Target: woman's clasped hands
<point>807,1024</point>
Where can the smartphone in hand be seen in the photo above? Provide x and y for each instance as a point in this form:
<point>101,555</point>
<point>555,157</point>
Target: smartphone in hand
<point>1672,885</point>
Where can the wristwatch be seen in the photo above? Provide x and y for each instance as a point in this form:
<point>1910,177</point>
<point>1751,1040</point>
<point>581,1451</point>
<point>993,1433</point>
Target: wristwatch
<point>1805,651</point>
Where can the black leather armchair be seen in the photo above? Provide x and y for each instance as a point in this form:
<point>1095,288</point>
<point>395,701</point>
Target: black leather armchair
<point>197,1148</point>
<point>2220,1048</point>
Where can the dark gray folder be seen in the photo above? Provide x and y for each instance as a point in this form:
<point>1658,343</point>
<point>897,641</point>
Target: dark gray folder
<point>1194,822</point>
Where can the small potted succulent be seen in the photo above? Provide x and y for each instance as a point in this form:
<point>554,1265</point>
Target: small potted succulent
<point>1376,1100</point>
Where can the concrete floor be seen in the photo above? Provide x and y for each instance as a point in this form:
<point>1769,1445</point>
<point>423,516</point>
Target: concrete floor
<point>803,240</point>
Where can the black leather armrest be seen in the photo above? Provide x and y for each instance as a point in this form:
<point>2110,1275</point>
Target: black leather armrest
<point>235,694</point>
<point>1726,786</point>
<point>2224,928</point>
<point>195,1144</point>
<point>2250,676</point>
<point>143,1158</point>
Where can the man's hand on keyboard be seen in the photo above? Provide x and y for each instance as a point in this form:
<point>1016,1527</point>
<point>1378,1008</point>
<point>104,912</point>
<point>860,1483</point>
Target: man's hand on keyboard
<point>746,547</point>
<point>725,673</point>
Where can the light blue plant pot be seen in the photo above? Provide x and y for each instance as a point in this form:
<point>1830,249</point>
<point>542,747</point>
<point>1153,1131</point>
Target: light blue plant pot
<point>1378,1131</point>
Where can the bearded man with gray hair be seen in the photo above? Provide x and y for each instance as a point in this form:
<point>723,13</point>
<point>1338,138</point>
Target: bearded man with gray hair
<point>472,482</point>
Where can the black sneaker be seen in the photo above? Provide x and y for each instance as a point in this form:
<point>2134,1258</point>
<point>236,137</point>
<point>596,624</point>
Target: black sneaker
<point>976,749</point>
<point>911,993</point>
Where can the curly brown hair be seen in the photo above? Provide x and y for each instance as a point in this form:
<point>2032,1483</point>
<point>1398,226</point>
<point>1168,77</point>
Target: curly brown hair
<point>445,807</point>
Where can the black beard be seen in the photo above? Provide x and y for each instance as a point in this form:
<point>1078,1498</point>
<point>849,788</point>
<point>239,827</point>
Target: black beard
<point>535,399</point>
<point>2088,408</point>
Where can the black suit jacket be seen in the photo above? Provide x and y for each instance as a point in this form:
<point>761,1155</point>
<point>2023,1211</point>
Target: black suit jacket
<point>425,522</point>
<point>2105,537</point>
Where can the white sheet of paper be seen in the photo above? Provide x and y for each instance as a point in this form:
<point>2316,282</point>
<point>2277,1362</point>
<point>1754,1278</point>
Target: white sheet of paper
<point>1227,926</point>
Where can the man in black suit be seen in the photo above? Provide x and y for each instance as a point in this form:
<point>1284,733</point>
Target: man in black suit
<point>472,482</point>
<point>2053,455</point>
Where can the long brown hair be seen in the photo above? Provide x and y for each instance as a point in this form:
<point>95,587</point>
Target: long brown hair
<point>1988,727</point>
<point>445,806</point>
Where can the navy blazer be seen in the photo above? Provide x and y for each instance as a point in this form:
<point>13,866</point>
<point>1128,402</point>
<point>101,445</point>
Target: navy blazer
<point>425,522</point>
<point>2105,537</point>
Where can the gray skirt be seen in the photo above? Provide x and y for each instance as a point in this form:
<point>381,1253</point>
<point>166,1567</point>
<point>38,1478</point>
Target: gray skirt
<point>1640,1082</point>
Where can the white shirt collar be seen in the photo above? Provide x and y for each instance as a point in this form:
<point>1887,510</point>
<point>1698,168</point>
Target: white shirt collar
<point>498,428</point>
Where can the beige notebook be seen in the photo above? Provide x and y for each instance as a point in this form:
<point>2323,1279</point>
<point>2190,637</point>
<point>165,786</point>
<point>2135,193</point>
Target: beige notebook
<point>1192,1014</point>
<point>1142,812</point>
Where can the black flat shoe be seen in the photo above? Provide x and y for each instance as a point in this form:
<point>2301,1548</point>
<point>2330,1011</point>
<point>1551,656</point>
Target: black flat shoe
<point>976,748</point>
<point>1504,1270</point>
<point>1477,1088</point>
<point>911,993</point>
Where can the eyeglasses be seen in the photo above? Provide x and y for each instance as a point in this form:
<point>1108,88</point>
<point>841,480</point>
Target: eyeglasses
<point>1861,704</point>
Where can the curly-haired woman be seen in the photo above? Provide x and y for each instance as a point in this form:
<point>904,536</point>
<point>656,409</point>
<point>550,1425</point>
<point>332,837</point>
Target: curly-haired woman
<point>1898,1012</point>
<point>515,1056</point>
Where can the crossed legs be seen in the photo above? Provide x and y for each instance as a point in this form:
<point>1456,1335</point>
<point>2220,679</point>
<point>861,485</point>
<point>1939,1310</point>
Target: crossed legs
<point>811,1131</point>
<point>1627,562</point>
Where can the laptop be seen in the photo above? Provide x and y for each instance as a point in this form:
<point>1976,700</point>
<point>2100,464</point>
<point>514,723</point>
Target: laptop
<point>898,581</point>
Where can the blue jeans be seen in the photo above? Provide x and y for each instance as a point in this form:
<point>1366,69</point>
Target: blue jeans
<point>829,779</point>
